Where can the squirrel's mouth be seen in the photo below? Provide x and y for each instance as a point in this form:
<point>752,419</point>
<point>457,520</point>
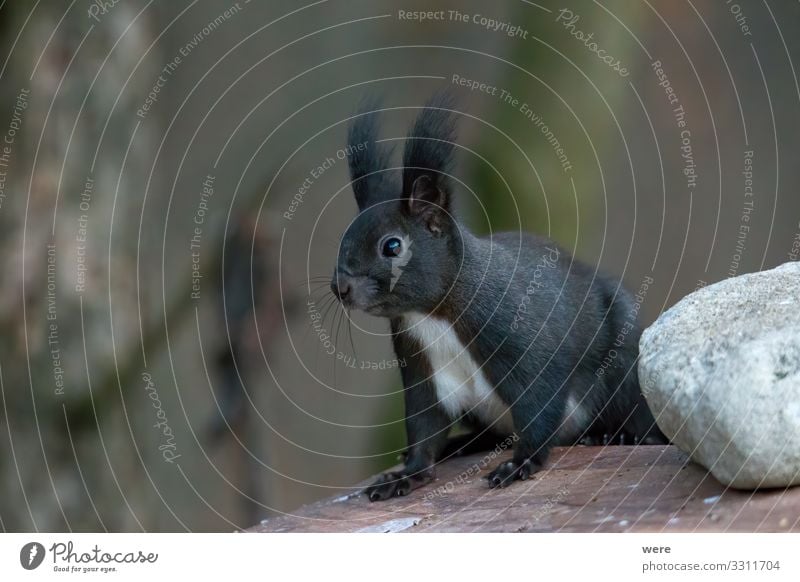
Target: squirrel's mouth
<point>357,304</point>
<point>377,309</point>
<point>357,292</point>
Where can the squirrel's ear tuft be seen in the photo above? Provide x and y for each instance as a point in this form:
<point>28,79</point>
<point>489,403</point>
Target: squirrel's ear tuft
<point>368,160</point>
<point>428,158</point>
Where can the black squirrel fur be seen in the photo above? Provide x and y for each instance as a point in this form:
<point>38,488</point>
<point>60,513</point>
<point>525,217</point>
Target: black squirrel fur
<point>544,330</point>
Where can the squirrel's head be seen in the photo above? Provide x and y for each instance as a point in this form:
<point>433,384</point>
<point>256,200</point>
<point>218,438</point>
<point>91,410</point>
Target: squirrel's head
<point>399,254</point>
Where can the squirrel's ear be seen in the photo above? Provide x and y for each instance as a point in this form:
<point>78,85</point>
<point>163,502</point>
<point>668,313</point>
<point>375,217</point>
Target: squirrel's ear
<point>426,196</point>
<point>427,160</point>
<point>428,201</point>
<point>368,160</point>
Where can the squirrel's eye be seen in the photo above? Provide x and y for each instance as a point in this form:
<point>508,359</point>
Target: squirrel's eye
<point>392,247</point>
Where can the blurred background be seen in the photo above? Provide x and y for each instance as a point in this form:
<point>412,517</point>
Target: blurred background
<point>172,187</point>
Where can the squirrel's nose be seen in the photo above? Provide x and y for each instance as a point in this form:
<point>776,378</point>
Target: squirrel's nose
<point>341,287</point>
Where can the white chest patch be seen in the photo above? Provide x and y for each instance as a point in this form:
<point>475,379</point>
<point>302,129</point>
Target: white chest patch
<point>461,385</point>
<point>576,420</point>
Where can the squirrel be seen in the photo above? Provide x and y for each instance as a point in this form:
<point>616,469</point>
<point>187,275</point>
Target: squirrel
<point>507,331</point>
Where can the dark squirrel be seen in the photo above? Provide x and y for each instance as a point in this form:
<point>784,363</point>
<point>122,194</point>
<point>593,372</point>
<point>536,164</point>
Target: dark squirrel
<point>507,332</point>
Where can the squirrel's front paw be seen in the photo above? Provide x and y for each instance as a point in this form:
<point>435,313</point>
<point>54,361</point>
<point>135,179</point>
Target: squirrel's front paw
<point>510,471</point>
<point>396,484</point>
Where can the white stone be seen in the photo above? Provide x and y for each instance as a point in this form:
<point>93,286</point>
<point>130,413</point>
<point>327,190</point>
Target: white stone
<point>721,373</point>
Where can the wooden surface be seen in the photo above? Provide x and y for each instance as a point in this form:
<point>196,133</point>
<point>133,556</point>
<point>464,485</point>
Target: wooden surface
<point>582,489</point>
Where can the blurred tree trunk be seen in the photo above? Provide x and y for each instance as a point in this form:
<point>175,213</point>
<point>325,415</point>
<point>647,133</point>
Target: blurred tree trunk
<point>68,468</point>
